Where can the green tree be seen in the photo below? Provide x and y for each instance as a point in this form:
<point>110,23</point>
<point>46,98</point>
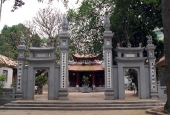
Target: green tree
<point>40,81</point>
<point>131,21</point>
<point>10,37</point>
<point>86,27</point>
<point>47,23</point>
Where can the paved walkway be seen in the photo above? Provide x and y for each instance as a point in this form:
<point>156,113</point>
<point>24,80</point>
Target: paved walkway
<point>108,112</point>
<point>91,97</point>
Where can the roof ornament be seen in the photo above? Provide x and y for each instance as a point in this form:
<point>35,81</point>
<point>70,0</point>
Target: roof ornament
<point>65,23</point>
<point>106,23</point>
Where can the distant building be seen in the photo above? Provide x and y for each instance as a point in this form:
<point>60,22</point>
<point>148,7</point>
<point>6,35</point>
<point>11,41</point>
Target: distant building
<point>8,67</point>
<point>160,34</point>
<point>86,65</point>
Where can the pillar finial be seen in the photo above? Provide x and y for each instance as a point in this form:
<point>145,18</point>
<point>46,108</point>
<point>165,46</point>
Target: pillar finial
<point>22,40</point>
<point>65,23</point>
<point>149,41</point>
<point>106,23</point>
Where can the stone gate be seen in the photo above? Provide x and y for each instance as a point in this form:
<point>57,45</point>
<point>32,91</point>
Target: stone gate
<point>128,58</point>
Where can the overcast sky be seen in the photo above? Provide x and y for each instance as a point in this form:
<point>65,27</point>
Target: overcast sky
<point>27,11</point>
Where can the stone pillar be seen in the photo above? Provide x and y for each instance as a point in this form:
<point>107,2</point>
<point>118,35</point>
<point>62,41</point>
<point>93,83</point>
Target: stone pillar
<point>93,79</point>
<point>93,82</point>
<point>152,70</point>
<point>77,79</point>
<point>64,37</point>
<point>107,36</point>
<point>21,63</point>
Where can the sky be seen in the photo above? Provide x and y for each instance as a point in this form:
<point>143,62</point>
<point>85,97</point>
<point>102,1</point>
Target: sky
<point>26,12</point>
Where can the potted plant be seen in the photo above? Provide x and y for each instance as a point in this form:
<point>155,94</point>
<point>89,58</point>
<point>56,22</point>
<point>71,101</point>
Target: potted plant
<point>86,82</point>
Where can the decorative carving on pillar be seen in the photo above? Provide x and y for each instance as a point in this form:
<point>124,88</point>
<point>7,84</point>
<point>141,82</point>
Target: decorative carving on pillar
<point>19,78</point>
<point>63,70</point>
<point>109,78</point>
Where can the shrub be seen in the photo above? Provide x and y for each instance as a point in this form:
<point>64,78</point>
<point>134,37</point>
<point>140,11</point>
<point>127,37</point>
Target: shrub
<point>2,80</point>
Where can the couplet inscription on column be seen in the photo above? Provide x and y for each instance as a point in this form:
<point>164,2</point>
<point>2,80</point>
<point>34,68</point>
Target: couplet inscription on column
<point>108,55</point>
<point>153,78</point>
<point>19,77</point>
<point>63,70</point>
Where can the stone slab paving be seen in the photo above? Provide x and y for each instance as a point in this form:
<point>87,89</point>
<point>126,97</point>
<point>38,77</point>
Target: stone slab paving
<point>110,112</point>
<point>92,97</point>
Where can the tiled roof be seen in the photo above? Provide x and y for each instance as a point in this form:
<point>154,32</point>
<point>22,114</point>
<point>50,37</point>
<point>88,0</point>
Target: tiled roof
<point>5,61</point>
<point>85,67</point>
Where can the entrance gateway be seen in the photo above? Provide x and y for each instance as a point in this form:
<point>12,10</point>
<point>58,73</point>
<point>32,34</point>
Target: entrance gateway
<point>128,58</point>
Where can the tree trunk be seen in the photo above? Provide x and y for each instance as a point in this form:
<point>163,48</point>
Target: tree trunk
<point>40,89</point>
<point>166,29</point>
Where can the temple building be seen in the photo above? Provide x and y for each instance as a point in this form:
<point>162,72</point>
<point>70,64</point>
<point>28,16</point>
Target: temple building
<point>86,65</point>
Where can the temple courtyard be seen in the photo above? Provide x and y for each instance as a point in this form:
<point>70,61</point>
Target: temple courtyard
<point>80,97</point>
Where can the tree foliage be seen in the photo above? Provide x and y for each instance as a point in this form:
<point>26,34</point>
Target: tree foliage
<point>134,20</point>
<point>86,27</point>
<point>131,21</point>
<point>10,37</point>
<point>47,23</point>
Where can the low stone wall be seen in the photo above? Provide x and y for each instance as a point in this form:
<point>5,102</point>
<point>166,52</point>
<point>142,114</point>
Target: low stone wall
<point>7,95</point>
<point>5,101</point>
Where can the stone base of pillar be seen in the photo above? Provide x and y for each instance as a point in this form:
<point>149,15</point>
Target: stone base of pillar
<point>109,94</point>
<point>63,94</point>
<point>154,95</point>
<point>19,95</point>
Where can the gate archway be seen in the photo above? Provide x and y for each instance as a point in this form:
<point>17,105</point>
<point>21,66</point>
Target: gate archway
<point>132,58</point>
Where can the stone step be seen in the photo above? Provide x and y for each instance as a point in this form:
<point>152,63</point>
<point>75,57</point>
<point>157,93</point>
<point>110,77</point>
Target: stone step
<point>63,102</point>
<point>75,108</point>
<point>68,105</point>
<point>79,105</point>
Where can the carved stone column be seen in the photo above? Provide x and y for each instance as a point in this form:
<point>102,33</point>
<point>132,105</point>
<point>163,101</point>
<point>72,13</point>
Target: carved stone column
<point>64,37</point>
<point>107,36</point>
<point>152,70</point>
<point>21,63</point>
<point>93,79</point>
